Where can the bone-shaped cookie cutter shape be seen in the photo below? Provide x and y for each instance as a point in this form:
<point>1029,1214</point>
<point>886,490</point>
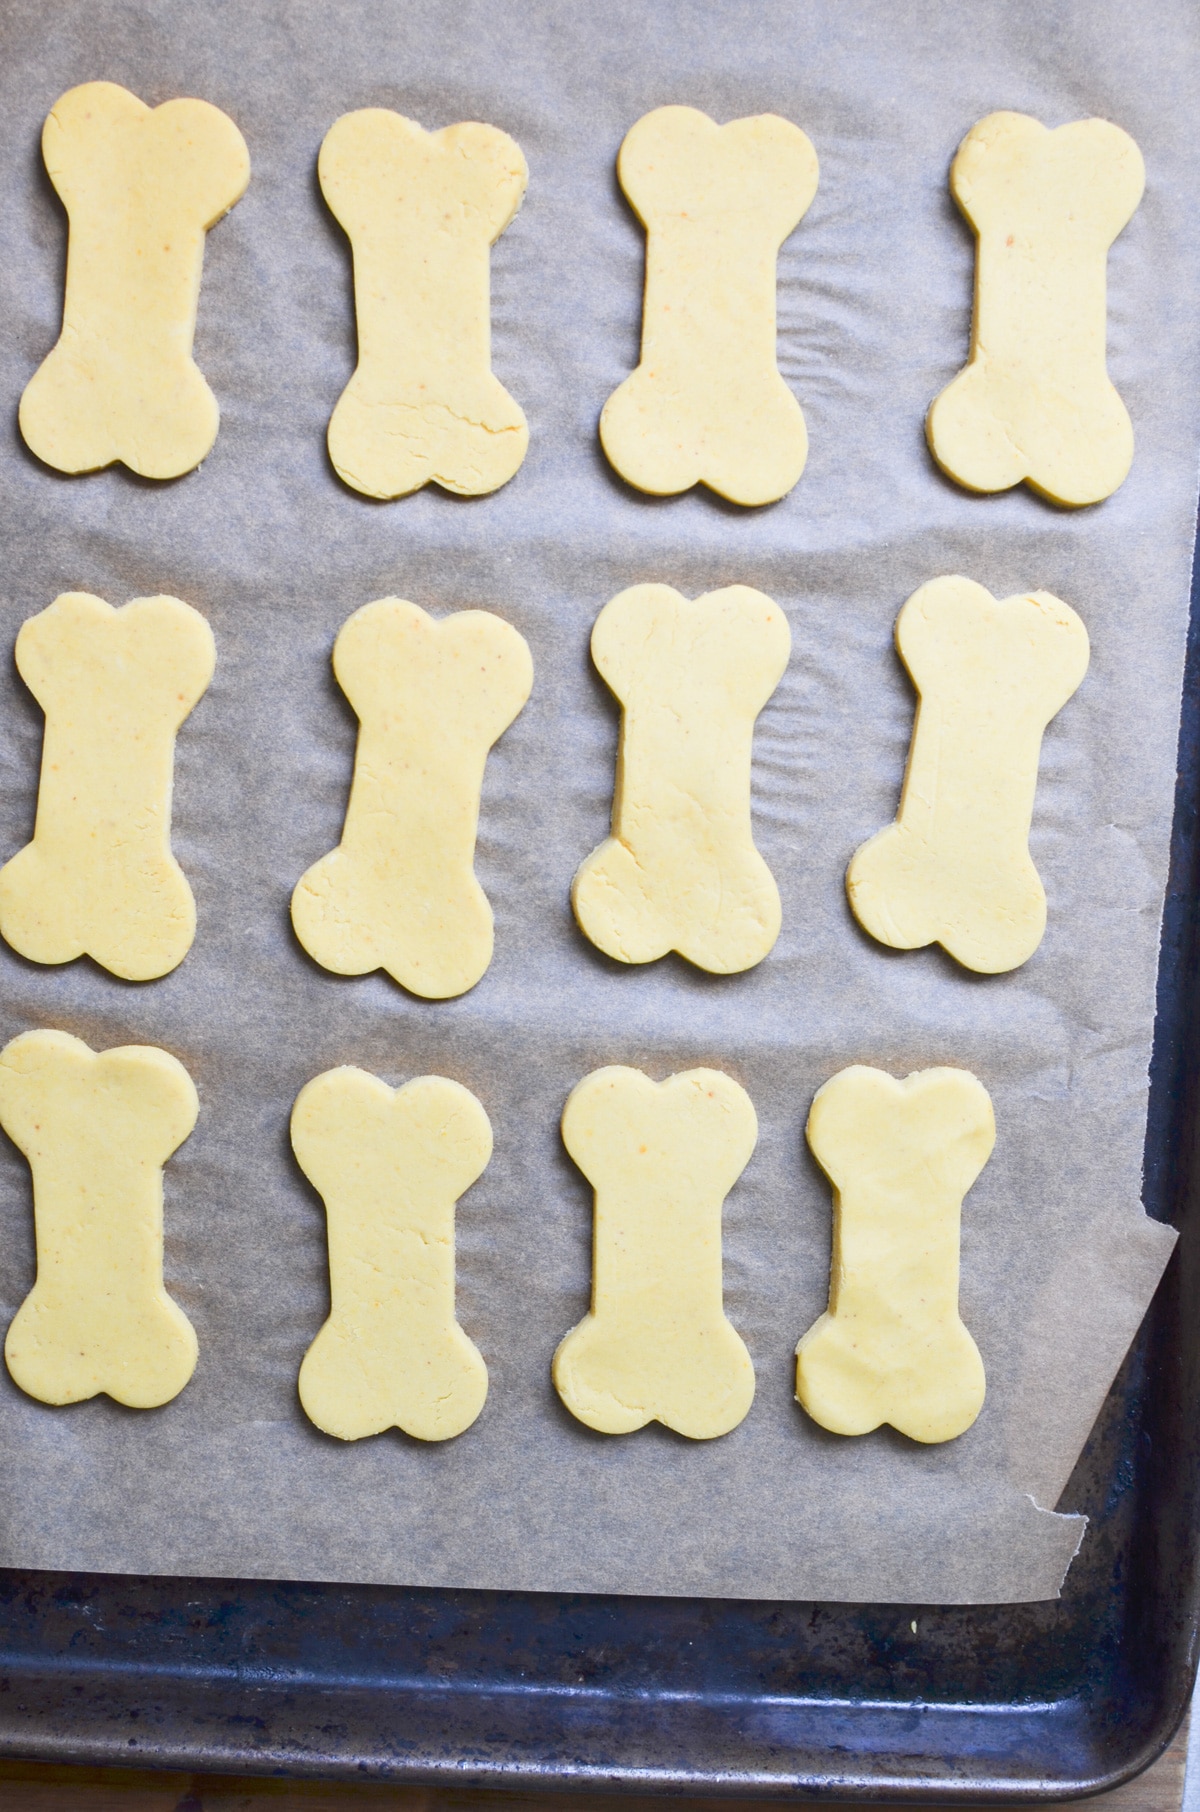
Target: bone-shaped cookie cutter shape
<point>97,1129</point>
<point>422,211</point>
<point>891,1347</point>
<point>680,870</point>
<point>955,867</point>
<point>1035,401</point>
<point>99,876</point>
<point>399,892</point>
<point>141,188</point>
<point>707,403</point>
<point>390,1165</point>
<point>656,1344</point>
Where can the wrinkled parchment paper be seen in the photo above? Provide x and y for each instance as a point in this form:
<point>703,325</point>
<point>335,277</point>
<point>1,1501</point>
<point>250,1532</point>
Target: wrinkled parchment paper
<point>874,304</point>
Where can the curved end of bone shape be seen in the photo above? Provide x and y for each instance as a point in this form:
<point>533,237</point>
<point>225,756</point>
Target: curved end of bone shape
<point>657,1345</point>
<point>726,928</point>
<point>1007,154</point>
<point>75,416</point>
<point>340,917</point>
<point>141,186</point>
<point>423,405</point>
<point>891,1346</point>
<point>366,153</point>
<point>955,867</point>
<point>157,1356</point>
<point>390,1165</point>
<point>1035,402</point>
<point>673,155</point>
<point>96,1129</point>
<point>979,426</point>
<point>841,1390</point>
<point>659,443</point>
<point>99,877</point>
<point>400,891</point>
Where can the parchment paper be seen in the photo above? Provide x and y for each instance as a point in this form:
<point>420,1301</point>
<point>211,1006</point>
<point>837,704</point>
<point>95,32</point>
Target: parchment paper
<point>874,302</point>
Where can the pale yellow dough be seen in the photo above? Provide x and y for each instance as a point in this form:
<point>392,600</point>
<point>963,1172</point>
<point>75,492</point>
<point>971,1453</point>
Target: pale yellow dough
<point>706,403</point>
<point>890,1347</point>
<point>141,188</point>
<point>680,870</point>
<point>657,1346</point>
<point>955,867</point>
<point>399,892</point>
<point>1035,401</point>
<point>99,876</point>
<point>97,1130</point>
<point>422,210</point>
<point>391,1164</point>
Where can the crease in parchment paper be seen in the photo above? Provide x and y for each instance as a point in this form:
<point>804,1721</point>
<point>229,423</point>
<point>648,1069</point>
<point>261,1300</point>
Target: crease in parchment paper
<point>1058,1259</point>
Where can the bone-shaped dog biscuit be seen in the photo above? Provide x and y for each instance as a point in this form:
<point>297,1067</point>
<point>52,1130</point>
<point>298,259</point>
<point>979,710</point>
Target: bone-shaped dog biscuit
<point>141,188</point>
<point>680,870</point>
<point>99,876</point>
<point>391,1164</point>
<point>955,867</point>
<point>891,1347</point>
<point>1035,401</point>
<point>657,1345</point>
<point>97,1130</point>
<point>706,403</point>
<point>399,893</point>
<point>422,210</point>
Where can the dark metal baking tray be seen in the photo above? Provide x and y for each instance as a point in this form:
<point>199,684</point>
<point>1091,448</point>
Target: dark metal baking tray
<point>527,1690</point>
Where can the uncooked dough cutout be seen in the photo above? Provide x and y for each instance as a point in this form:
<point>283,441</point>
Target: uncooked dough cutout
<point>391,1164</point>
<point>399,892</point>
<point>891,1347</point>
<point>680,870</point>
<point>422,211</point>
<point>656,1345</point>
<point>97,1129</point>
<point>707,403</point>
<point>99,876</point>
<point>1035,401</point>
<point>955,867</point>
<point>141,187</point>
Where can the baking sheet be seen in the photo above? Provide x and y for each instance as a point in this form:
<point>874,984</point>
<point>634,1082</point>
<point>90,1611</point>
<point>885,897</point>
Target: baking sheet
<point>874,305</point>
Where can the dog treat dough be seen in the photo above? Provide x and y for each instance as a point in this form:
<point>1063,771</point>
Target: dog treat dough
<point>955,867</point>
<point>680,870</point>
<point>141,188</point>
<point>656,1346</point>
<point>391,1164</point>
<point>890,1347</point>
<point>399,892</point>
<point>422,210</point>
<point>706,403</point>
<point>99,876</point>
<point>1035,401</point>
<point>97,1130</point>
